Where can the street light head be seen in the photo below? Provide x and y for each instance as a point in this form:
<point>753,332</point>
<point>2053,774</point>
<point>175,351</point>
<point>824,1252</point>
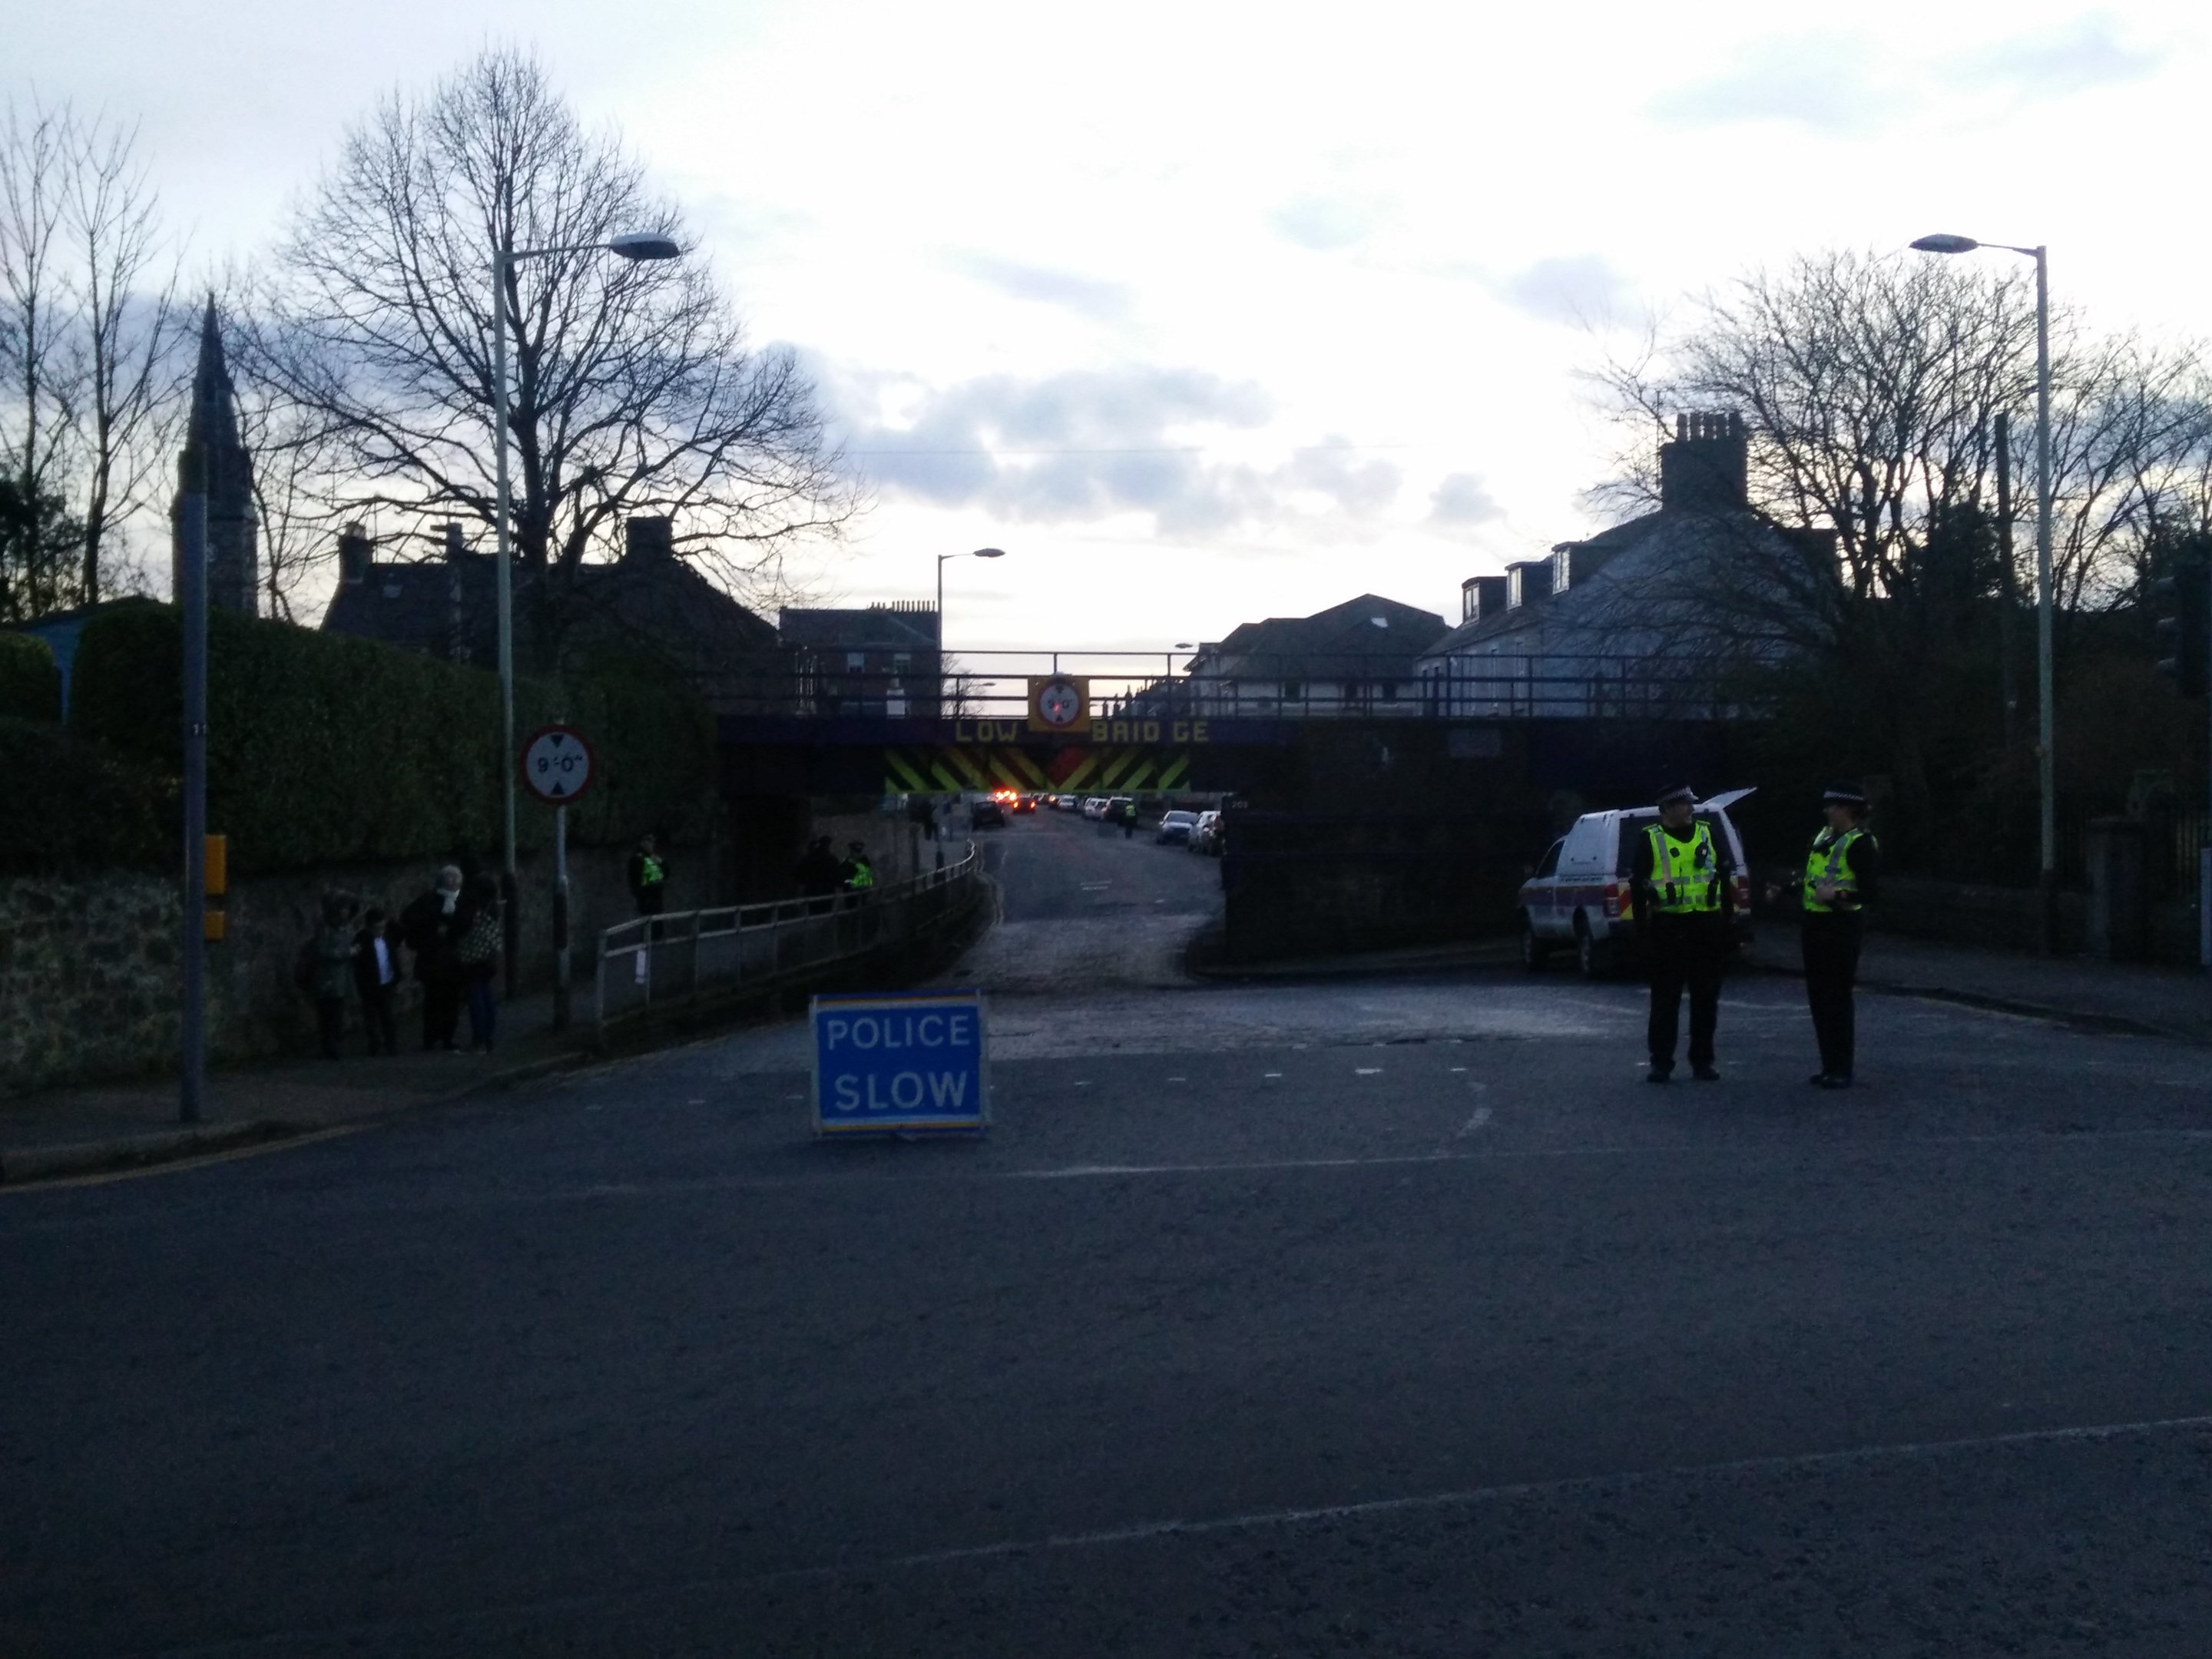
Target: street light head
<point>643,244</point>
<point>990,552</point>
<point>1942,242</point>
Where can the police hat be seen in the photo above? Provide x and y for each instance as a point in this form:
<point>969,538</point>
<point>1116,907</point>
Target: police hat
<point>1680,792</point>
<point>1845,792</point>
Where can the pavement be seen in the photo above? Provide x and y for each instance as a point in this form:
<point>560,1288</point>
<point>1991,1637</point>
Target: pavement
<point>1394,1316</point>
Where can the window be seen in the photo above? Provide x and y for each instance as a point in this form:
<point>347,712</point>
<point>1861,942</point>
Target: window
<point>899,663</point>
<point>856,659</point>
<point>1551,864</point>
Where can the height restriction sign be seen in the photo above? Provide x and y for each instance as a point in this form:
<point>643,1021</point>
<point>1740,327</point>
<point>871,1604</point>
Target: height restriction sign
<point>557,764</point>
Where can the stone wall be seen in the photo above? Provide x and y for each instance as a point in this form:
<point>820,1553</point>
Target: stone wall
<point>88,976</point>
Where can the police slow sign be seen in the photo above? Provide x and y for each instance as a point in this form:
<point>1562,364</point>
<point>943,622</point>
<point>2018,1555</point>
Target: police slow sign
<point>901,1063</point>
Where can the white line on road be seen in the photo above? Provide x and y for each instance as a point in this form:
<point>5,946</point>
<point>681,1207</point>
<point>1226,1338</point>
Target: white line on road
<point>659,1594</point>
<point>1482,1116</point>
<point>1367,1071</point>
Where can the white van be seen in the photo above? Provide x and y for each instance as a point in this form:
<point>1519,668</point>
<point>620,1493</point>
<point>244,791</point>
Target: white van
<point>1579,897</point>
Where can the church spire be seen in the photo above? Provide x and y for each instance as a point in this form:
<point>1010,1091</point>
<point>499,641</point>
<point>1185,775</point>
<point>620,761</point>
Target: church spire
<point>214,464</point>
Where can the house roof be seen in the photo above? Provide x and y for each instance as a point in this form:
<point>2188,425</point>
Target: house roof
<point>1378,635</point>
<point>1656,561</point>
<point>662,602</point>
<point>853,628</point>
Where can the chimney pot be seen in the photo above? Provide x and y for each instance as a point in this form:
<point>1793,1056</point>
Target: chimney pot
<point>455,546</point>
<point>649,540</point>
<point>355,554</point>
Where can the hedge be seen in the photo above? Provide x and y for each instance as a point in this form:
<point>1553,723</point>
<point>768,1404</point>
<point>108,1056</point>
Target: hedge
<point>30,683</point>
<point>93,810</point>
<point>327,749</point>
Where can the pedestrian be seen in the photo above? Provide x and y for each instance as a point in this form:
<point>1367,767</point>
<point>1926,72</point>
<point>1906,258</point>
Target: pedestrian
<point>858,874</point>
<point>1684,901</point>
<point>648,887</point>
<point>1843,873</point>
<point>478,955</point>
<point>817,872</point>
<point>430,926</point>
<point>1129,819</point>
<point>376,977</point>
<point>333,971</point>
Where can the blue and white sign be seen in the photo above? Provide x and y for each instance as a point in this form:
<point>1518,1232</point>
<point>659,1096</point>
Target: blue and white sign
<point>901,1063</point>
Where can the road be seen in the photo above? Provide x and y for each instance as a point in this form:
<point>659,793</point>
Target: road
<point>1358,1318</point>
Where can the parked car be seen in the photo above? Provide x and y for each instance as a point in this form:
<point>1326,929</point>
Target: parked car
<point>1175,829</point>
<point>1094,806</point>
<point>986,814</point>
<point>1578,897</point>
<point>1116,806</point>
<point>1206,834</point>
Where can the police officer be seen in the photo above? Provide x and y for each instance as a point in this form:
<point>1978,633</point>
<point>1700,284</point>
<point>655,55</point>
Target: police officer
<point>1842,871</point>
<point>1684,907</point>
<point>860,875</point>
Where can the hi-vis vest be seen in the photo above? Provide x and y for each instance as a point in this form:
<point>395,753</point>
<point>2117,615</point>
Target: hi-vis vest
<point>862,876</point>
<point>1686,877</point>
<point>1830,861</point>
<point>649,873</point>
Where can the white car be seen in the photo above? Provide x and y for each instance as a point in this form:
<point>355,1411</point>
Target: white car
<point>1175,827</point>
<point>1578,897</point>
<point>1093,805</point>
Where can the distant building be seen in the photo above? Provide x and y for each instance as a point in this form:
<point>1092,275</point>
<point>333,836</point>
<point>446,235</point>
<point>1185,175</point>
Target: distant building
<point>882,660</point>
<point>648,601</point>
<point>214,464</point>
<point>1646,618</point>
<point>1359,658</point>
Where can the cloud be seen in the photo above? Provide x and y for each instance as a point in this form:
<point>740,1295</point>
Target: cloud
<point>1835,84</point>
<point>1084,295</point>
<point>1824,83</point>
<point>1582,288</point>
<point>1461,500</point>
<point>2076,57</point>
<point>1083,446</point>
<point>1326,223</point>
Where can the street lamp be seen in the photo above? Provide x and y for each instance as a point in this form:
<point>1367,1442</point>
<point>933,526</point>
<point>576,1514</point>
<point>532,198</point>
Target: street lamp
<point>2046,767</point>
<point>637,245</point>
<point>980,553</point>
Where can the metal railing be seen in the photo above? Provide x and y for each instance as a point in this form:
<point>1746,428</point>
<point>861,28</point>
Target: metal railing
<point>656,963</point>
<point>1248,685</point>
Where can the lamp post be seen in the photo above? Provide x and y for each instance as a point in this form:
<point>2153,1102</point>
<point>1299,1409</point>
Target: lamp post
<point>640,246</point>
<point>980,553</point>
<point>2046,765</point>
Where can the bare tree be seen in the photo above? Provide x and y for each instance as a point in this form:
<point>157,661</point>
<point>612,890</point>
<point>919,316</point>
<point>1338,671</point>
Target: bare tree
<point>129,368</point>
<point>634,389</point>
<point>37,370</point>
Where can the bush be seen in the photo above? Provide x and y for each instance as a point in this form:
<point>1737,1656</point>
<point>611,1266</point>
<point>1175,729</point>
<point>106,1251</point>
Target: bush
<point>327,749</point>
<point>95,811</point>
<point>30,683</point>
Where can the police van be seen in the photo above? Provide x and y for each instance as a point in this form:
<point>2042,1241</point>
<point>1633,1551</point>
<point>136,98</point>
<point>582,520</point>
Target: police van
<point>1578,898</point>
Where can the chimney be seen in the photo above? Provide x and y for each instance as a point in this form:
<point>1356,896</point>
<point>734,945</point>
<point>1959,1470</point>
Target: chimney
<point>1480,597</point>
<point>649,541</point>
<point>1528,580</point>
<point>457,643</point>
<point>355,554</point>
<point>1706,468</point>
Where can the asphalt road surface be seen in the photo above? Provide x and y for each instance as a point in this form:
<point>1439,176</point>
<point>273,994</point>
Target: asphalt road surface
<point>1396,1318</point>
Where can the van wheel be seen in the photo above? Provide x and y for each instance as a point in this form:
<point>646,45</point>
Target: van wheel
<point>1534,953</point>
<point>1593,956</point>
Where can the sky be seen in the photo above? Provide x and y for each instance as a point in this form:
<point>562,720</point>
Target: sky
<point>1207,313</point>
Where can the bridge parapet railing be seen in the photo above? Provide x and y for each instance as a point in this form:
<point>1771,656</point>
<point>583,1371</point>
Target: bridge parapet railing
<point>671,961</point>
<point>995,685</point>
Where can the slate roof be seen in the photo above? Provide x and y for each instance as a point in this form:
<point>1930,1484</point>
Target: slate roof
<point>1327,644</point>
<point>664,603</point>
<point>872,628</point>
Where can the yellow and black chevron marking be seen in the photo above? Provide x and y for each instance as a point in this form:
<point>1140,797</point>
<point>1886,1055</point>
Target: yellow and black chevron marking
<point>950,769</point>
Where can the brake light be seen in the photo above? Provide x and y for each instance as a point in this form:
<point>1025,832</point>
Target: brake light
<point>1616,900</point>
<point>1740,891</point>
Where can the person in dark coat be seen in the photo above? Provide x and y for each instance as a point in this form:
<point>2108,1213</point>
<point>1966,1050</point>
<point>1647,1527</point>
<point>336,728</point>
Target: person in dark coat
<point>376,978</point>
<point>649,877</point>
<point>819,873</point>
<point>430,925</point>
<point>476,952</point>
<point>333,971</point>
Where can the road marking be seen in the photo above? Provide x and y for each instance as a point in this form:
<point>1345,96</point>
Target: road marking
<point>659,1594</point>
<point>1367,1071</point>
<point>1178,1079</point>
<point>1092,1171</point>
<point>1268,1074</point>
<point>1459,1068</point>
<point>1482,1116</point>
